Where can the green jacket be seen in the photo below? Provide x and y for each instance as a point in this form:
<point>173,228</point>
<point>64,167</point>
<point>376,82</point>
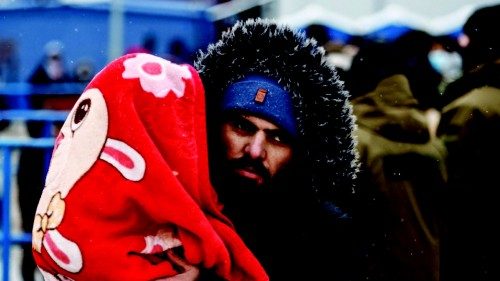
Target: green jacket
<point>402,177</point>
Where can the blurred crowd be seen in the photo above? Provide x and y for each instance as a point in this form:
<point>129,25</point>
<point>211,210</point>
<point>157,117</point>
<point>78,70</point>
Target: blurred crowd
<point>428,115</point>
<point>427,110</point>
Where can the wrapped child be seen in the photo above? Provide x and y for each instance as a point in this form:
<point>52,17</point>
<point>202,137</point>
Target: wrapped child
<point>127,195</point>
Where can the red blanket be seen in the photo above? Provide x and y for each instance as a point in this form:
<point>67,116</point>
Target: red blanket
<point>128,181</point>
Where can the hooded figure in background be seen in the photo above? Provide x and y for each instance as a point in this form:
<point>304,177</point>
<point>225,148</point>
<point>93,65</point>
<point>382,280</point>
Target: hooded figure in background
<point>469,127</point>
<point>402,174</point>
<point>271,86</point>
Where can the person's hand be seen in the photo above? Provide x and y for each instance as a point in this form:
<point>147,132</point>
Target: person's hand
<point>188,272</point>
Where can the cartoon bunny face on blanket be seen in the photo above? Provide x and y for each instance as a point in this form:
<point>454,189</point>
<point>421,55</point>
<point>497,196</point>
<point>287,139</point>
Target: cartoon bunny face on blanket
<point>84,137</point>
<point>78,136</point>
<point>128,181</point>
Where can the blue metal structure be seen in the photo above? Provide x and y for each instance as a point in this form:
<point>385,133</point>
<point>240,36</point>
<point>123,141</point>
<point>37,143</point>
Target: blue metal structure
<point>84,29</point>
<point>8,145</point>
<point>6,237</point>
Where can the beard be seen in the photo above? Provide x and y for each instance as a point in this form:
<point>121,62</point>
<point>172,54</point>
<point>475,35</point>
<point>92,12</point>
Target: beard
<point>238,193</point>
<point>271,218</point>
<point>248,203</point>
<point>248,164</point>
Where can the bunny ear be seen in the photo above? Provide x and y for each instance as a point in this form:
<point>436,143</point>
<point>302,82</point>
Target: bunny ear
<point>49,277</point>
<point>63,251</point>
<point>124,158</point>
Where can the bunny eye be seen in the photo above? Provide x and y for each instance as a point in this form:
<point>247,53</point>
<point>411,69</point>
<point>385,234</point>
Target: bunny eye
<point>81,112</point>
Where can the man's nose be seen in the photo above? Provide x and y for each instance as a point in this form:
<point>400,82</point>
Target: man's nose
<point>256,147</point>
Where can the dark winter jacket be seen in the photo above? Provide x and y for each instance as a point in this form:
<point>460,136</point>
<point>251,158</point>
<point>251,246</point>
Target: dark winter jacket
<point>470,128</point>
<point>402,174</point>
<point>297,228</point>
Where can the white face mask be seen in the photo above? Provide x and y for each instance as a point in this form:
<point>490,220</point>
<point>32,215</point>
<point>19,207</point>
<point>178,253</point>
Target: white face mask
<point>449,64</point>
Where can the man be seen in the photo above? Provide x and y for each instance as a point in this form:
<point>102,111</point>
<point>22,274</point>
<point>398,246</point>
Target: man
<point>469,127</point>
<point>402,165</point>
<point>281,148</point>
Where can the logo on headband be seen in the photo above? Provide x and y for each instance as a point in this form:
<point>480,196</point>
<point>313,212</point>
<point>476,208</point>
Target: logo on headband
<point>260,96</point>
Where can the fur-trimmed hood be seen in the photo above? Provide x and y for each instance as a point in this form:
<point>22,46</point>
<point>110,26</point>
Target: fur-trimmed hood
<point>323,112</point>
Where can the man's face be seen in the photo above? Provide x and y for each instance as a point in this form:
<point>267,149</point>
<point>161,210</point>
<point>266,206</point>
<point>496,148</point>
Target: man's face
<point>256,149</point>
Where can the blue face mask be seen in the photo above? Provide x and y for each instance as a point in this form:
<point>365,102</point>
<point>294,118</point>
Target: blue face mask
<point>449,64</point>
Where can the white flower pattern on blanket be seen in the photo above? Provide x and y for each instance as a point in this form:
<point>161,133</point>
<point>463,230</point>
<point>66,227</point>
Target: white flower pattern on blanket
<point>157,76</point>
<point>84,134</point>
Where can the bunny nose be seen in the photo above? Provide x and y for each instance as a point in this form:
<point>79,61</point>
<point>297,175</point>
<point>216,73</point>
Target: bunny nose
<point>44,223</point>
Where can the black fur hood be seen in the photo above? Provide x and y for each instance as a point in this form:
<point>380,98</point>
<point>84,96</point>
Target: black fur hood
<point>323,112</point>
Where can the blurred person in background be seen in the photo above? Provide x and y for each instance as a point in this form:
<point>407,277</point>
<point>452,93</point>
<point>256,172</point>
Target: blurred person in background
<point>338,53</point>
<point>84,70</point>
<point>9,64</point>
<point>445,59</point>
<point>52,68</point>
<point>3,105</point>
<point>412,50</point>
<point>147,45</point>
<point>402,174</point>
<point>8,73</point>
<point>33,161</point>
<point>469,127</point>
<point>178,52</point>
<point>415,49</point>
<point>281,148</point>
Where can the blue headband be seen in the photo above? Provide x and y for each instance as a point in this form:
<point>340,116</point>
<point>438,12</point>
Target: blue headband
<point>262,97</point>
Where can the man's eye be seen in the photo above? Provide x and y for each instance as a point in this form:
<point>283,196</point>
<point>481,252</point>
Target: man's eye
<point>238,125</point>
<point>243,126</point>
<point>278,138</point>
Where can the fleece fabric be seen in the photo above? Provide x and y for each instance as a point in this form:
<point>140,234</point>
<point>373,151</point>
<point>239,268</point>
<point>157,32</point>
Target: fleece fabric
<point>128,181</point>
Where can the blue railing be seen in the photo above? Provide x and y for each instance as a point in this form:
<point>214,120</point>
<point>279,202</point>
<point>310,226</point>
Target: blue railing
<point>8,239</point>
<point>17,92</point>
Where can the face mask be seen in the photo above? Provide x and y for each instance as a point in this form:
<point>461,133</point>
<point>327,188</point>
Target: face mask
<point>449,64</point>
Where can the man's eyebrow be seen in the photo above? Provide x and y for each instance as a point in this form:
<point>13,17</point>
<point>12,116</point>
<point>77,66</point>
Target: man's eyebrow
<point>242,118</point>
<point>243,121</point>
<point>275,131</point>
<point>278,132</point>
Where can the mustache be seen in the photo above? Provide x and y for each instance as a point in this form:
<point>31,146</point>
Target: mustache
<point>246,162</point>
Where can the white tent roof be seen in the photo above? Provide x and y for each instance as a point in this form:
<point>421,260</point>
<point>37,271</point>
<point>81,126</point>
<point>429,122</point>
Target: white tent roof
<point>390,15</point>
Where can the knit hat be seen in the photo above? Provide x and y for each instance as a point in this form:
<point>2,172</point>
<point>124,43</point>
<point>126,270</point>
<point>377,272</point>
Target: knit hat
<point>323,115</point>
<point>53,48</point>
<point>482,26</point>
<point>261,96</point>
<point>484,42</point>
